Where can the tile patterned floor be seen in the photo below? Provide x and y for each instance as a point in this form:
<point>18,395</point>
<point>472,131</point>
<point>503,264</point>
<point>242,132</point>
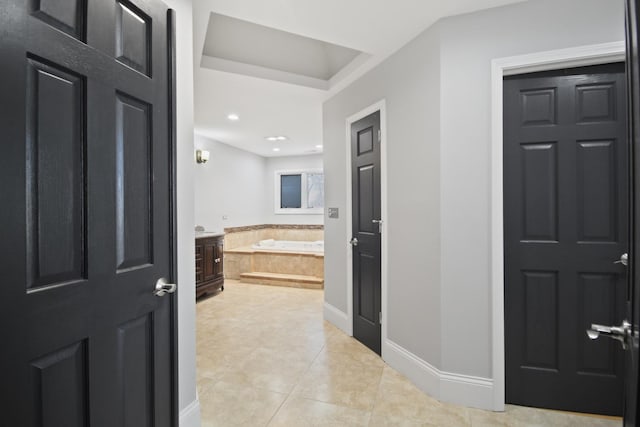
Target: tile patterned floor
<point>267,358</point>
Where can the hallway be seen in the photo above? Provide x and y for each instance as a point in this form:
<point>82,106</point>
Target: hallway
<point>266,357</point>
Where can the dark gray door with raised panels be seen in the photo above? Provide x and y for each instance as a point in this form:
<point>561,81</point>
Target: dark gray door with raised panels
<point>366,211</point>
<point>85,226</point>
<point>566,223</point>
<point>632,358</point>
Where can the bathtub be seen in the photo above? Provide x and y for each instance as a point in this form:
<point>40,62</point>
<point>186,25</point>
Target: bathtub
<point>290,245</point>
<point>297,264</point>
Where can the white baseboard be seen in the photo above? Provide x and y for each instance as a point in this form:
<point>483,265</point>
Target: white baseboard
<point>467,390</point>
<point>425,376</point>
<point>190,416</point>
<point>336,317</point>
<point>446,386</point>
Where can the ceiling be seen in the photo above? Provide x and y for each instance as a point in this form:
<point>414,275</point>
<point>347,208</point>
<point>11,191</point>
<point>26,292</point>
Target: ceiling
<point>273,62</point>
<point>251,47</point>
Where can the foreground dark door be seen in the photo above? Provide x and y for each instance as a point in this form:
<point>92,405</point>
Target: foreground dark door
<point>365,170</point>
<point>85,166</point>
<point>633,294</point>
<point>566,223</point>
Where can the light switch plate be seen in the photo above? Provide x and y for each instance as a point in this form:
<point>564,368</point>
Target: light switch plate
<point>333,213</point>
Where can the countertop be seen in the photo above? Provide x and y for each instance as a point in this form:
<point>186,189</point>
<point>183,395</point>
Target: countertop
<point>202,234</point>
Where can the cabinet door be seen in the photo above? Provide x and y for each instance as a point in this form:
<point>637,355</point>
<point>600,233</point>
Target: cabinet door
<point>218,259</point>
<point>199,263</point>
<point>209,260</point>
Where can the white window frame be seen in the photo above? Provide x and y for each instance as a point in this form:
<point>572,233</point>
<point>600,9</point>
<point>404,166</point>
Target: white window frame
<point>303,189</point>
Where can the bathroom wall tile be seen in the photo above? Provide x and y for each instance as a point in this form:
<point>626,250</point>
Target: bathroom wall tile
<point>236,264</point>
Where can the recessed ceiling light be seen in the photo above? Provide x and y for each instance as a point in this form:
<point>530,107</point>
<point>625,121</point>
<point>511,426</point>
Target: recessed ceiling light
<point>233,117</point>
<point>276,149</point>
<point>281,138</point>
<point>319,146</point>
<point>276,138</point>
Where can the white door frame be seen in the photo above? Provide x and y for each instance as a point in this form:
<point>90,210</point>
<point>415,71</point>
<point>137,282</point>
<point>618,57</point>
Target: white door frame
<point>378,106</point>
<point>500,67</point>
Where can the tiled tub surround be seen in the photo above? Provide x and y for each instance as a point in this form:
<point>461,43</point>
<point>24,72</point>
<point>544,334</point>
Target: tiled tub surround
<point>274,267</point>
<point>238,237</point>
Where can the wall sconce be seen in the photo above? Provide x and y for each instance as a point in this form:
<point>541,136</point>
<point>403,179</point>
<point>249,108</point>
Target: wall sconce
<point>202,156</point>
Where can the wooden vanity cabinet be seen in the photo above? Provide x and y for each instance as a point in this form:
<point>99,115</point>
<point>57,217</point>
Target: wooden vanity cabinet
<point>209,264</point>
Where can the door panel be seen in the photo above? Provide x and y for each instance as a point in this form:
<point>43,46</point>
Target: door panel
<point>132,37</point>
<point>55,175</point>
<point>540,318</point>
<point>133,188</point>
<point>86,123</point>
<point>597,183</point>
<point>540,191</point>
<point>136,376</point>
<point>598,298</point>
<point>54,405</point>
<point>365,166</point>
<point>566,222</point>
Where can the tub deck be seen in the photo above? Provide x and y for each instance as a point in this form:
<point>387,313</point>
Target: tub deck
<point>300,269</point>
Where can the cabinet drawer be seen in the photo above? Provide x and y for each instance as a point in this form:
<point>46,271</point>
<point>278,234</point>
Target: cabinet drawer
<point>198,251</point>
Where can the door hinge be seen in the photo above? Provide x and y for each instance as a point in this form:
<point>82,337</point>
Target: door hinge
<point>379,135</point>
<point>380,318</point>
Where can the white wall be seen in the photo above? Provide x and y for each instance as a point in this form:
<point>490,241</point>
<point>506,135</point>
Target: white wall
<point>240,185</point>
<point>188,399</point>
<point>312,161</point>
<point>437,90</point>
<point>231,184</point>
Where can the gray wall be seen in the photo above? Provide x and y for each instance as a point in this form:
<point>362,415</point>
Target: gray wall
<point>230,184</point>
<point>409,83</point>
<point>189,412</point>
<point>438,97</point>
<point>240,185</point>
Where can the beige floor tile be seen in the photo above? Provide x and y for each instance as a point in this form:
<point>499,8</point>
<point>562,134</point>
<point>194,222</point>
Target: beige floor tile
<point>399,398</point>
<point>305,412</point>
<point>382,420</point>
<point>229,404</point>
<point>270,369</point>
<point>204,383</point>
<point>215,362</point>
<point>342,379</point>
<point>265,355</point>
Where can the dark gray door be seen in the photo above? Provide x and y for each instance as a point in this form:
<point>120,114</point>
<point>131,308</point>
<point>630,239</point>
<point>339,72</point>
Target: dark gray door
<point>365,170</point>
<point>85,225</point>
<point>632,354</point>
<point>566,223</point>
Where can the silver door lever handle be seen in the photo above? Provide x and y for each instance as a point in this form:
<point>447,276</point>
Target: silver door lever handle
<point>619,333</point>
<point>354,241</point>
<point>163,288</point>
<point>624,260</point>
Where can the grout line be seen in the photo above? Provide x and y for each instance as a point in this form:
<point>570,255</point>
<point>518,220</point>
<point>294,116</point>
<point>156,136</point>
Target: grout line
<point>295,386</point>
<point>375,401</point>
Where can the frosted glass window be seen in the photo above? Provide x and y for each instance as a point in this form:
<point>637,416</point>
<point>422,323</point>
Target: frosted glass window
<point>315,190</point>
